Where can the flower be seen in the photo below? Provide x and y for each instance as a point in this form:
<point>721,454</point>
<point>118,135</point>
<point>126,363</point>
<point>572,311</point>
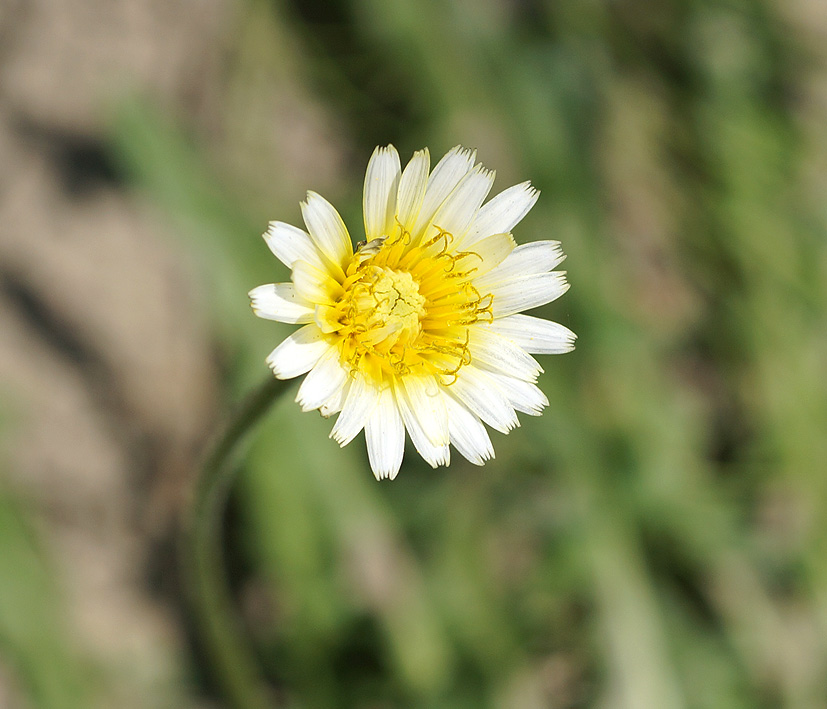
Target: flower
<point>420,328</point>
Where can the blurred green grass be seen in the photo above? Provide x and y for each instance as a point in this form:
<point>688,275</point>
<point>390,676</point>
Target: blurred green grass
<point>657,538</point>
<point>33,637</point>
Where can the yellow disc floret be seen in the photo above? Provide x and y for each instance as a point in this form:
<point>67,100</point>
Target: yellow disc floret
<point>405,309</point>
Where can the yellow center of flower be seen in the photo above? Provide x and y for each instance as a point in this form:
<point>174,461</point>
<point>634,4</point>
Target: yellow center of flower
<point>384,308</point>
<point>406,309</point>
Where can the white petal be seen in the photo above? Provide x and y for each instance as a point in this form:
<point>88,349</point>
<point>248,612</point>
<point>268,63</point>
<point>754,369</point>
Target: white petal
<point>422,406</point>
<point>503,212</point>
<point>327,229</point>
<point>385,437</point>
<point>289,244</point>
<point>280,301</point>
<point>497,353</point>
<point>527,293</point>
<point>525,260</point>
<point>326,378</point>
<point>412,188</point>
<point>423,396</point>
<point>358,407</point>
<point>468,435</point>
<point>298,353</point>
<point>535,335</point>
<point>457,211</point>
<point>381,184</point>
<point>491,252</point>
<point>433,455</point>
<point>447,174</point>
<point>336,401</point>
<point>315,285</point>
<point>523,396</point>
<point>478,391</point>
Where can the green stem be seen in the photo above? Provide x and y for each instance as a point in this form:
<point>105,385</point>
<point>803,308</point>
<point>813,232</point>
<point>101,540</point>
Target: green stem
<point>228,653</point>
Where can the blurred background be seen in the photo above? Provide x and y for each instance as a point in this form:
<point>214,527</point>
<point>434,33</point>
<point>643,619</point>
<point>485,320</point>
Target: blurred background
<point>657,539</point>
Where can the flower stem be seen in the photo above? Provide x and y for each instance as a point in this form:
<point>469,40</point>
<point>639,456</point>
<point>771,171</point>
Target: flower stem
<point>228,653</point>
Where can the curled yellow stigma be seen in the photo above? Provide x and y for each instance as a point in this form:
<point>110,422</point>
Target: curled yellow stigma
<point>406,308</point>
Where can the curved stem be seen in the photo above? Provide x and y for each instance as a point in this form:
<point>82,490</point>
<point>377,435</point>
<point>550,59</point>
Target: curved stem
<point>229,654</point>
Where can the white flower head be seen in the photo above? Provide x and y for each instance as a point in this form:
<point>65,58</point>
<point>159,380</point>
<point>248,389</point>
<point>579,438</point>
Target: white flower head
<point>418,329</point>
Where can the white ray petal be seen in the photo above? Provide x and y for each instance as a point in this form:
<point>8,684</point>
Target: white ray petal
<point>491,251</point>
<point>468,435</point>
<point>412,188</point>
<point>503,212</point>
<point>422,406</point>
<point>327,229</point>
<point>525,260</point>
<point>535,335</point>
<point>289,244</point>
<point>281,302</point>
<point>424,397</point>
<point>447,174</point>
<point>381,185</point>
<point>315,285</point>
<point>298,353</point>
<point>526,293</point>
<point>478,391</point>
<point>385,436</point>
<point>336,400</point>
<point>357,408</point>
<point>496,353</point>
<point>523,396</point>
<point>457,211</point>
<point>326,378</point>
<point>433,455</point>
